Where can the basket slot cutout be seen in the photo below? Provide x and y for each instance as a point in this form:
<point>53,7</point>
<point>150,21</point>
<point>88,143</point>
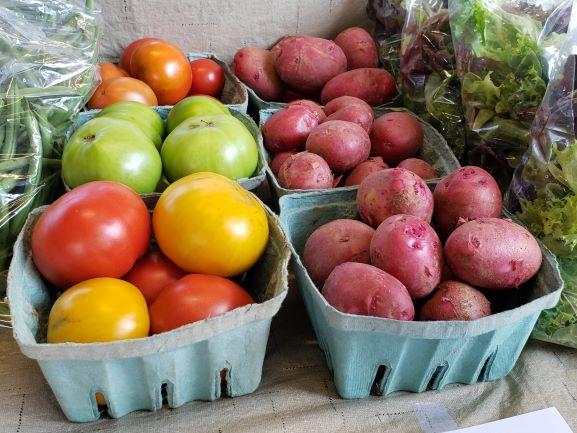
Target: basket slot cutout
<point>167,393</point>
<point>224,383</point>
<point>380,381</point>
<point>437,376</point>
<point>486,370</point>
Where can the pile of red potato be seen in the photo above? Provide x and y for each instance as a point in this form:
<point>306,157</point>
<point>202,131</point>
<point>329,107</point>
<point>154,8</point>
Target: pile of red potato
<point>395,261</point>
<point>315,148</point>
<point>300,67</point>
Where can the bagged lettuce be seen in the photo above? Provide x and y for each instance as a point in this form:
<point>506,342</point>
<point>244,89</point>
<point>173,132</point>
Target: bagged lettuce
<point>543,192</point>
<point>429,81</point>
<point>505,52</point>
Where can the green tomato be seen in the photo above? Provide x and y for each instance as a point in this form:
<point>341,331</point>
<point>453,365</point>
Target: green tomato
<point>111,149</point>
<point>194,106</point>
<point>218,144</point>
<point>143,116</point>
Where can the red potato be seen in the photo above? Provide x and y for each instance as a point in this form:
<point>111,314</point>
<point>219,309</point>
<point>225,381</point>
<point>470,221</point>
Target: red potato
<point>255,68</point>
<point>313,106</point>
<point>335,243</point>
<point>277,48</point>
<point>305,170</point>
<point>288,129</point>
<point>343,102</point>
<point>359,48</point>
<point>392,192</point>
<point>343,145</point>
<point>409,249</point>
<point>396,136</point>
<point>307,63</point>
<point>278,160</point>
<point>421,168</point>
<point>468,193</point>
<point>354,114</point>
<point>358,288</point>
<point>364,170</point>
<point>372,85</point>
<point>456,301</point>
<point>493,253</point>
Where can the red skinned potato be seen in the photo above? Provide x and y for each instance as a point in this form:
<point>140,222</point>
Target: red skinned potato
<point>396,136</point>
<point>354,114</point>
<point>255,68</point>
<point>343,102</point>
<point>392,192</point>
<point>343,145</point>
<point>359,48</point>
<point>358,288</point>
<point>456,301</point>
<point>276,49</point>
<point>421,168</point>
<point>335,243</point>
<point>288,129</point>
<point>278,160</point>
<point>409,249</point>
<point>305,170</point>
<point>313,106</point>
<point>306,63</point>
<point>372,85</point>
<point>468,193</point>
<point>365,169</point>
<point>493,253</point>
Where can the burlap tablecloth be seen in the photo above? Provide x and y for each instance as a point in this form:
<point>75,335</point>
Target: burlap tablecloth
<point>297,394</point>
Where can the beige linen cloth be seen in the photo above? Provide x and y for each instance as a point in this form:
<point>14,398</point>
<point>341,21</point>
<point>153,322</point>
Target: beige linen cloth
<point>297,394</point>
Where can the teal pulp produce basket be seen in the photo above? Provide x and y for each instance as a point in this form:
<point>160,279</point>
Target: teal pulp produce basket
<point>185,364</point>
<point>248,183</point>
<point>370,354</point>
<point>435,151</point>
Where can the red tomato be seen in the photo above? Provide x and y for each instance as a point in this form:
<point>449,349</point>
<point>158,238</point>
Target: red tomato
<point>193,298</point>
<point>164,68</point>
<point>122,89</point>
<point>98,229</point>
<point>129,50</point>
<point>207,78</point>
<point>152,273</point>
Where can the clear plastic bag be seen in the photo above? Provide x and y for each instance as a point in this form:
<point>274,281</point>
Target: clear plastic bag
<point>389,17</point>
<point>430,85</point>
<point>48,52</point>
<point>505,50</point>
<point>543,192</point>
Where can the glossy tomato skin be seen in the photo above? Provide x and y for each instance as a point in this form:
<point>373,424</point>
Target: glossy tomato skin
<point>208,224</point>
<point>109,71</point>
<point>164,68</point>
<point>129,51</point>
<point>152,273</point>
<point>98,310</point>
<point>207,78</point>
<point>193,298</point>
<point>96,230</point>
<point>122,89</point>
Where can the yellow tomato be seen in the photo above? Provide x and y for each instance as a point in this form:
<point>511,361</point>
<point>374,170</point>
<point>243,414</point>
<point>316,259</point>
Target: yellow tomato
<point>208,224</point>
<point>98,310</point>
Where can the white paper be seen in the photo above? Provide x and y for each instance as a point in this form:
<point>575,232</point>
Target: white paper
<point>546,420</point>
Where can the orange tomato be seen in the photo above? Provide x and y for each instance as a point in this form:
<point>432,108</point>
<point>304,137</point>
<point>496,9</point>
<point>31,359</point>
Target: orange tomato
<point>164,68</point>
<point>122,89</point>
<point>129,50</point>
<point>109,71</point>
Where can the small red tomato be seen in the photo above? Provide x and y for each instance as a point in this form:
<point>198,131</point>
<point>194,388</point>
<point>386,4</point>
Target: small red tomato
<point>207,78</point>
<point>129,50</point>
<point>152,273</point>
<point>193,298</point>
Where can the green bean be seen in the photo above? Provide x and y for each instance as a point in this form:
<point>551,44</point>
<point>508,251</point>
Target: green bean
<point>12,120</point>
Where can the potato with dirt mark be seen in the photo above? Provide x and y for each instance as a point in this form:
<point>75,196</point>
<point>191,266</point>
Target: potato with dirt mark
<point>358,288</point>
<point>334,243</point>
<point>456,301</point>
<point>313,106</point>
<point>305,170</point>
<point>391,192</point>
<point>493,253</point>
<point>409,249</point>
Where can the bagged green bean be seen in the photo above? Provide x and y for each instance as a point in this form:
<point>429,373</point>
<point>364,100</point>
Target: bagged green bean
<point>505,50</point>
<point>430,84</point>
<point>543,192</point>
<point>389,17</point>
<point>48,52</point>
